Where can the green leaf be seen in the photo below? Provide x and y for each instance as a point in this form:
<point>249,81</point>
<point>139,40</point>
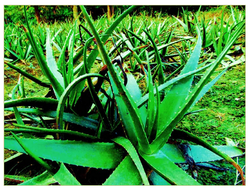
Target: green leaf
<point>157,179</point>
<point>51,62</point>
<point>64,96</point>
<point>158,59</point>
<point>43,179</point>
<point>168,170</point>
<point>50,131</point>
<point>64,177</point>
<point>135,92</point>
<point>180,134</point>
<point>32,154</point>
<point>178,94</point>
<point>72,152</point>
<point>126,173</point>
<point>68,117</point>
<point>207,87</point>
<point>161,139</point>
<point>29,76</point>
<point>199,153</point>
<point>42,60</point>
<point>128,146</point>
<point>46,103</point>
<point>122,94</point>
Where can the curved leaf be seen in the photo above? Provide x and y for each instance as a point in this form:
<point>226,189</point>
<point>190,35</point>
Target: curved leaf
<point>125,143</point>
<point>64,97</point>
<point>72,152</point>
<point>64,177</point>
<point>180,134</point>
<point>179,92</point>
<point>45,103</point>
<point>168,170</point>
<point>68,117</point>
<point>126,173</point>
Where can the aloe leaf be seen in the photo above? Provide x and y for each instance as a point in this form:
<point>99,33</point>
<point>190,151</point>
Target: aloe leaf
<point>207,87</point>
<point>42,61</point>
<point>126,173</point>
<point>199,153</point>
<point>97,102</point>
<point>29,129</point>
<point>151,115</point>
<point>188,136</point>
<point>132,121</point>
<point>68,117</point>
<point>17,114</point>
<point>43,179</point>
<point>168,170</point>
<point>13,53</point>
<point>51,62</point>
<point>161,139</point>
<point>64,177</point>
<point>144,99</point>
<point>158,59</point>
<point>179,92</point>
<point>46,103</point>
<point>122,93</point>
<point>71,152</point>
<point>157,179</point>
<point>64,97</point>
<point>32,154</point>
<point>135,92</point>
<point>128,146</point>
<point>70,69</point>
<point>106,35</point>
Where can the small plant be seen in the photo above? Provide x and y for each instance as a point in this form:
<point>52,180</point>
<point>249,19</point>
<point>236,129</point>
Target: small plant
<point>109,123</point>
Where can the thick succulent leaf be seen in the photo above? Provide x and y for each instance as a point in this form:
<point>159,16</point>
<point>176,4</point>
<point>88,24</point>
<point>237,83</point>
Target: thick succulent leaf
<point>122,94</point>
<point>42,61</point>
<point>199,153</point>
<point>46,103</point>
<point>52,65</point>
<point>64,177</point>
<point>161,139</point>
<point>131,121</point>
<point>144,99</point>
<point>43,179</point>
<point>207,87</point>
<point>179,92</point>
<point>156,179</point>
<point>125,143</point>
<point>68,117</point>
<point>135,92</point>
<point>72,152</point>
<point>29,76</point>
<point>65,95</point>
<point>180,134</point>
<point>168,170</point>
<point>126,173</point>
<point>158,59</point>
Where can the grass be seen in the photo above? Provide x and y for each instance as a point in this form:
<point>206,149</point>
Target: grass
<point>224,114</point>
<point>224,104</point>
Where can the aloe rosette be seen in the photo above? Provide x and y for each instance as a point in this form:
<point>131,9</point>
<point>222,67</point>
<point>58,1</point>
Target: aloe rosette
<point>148,120</point>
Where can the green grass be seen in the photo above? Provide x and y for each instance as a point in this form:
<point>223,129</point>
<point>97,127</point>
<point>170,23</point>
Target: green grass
<point>224,114</point>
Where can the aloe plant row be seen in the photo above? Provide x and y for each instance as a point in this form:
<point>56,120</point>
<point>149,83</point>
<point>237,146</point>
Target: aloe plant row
<point>119,128</point>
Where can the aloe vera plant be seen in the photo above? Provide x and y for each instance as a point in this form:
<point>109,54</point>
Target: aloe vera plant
<point>129,135</point>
